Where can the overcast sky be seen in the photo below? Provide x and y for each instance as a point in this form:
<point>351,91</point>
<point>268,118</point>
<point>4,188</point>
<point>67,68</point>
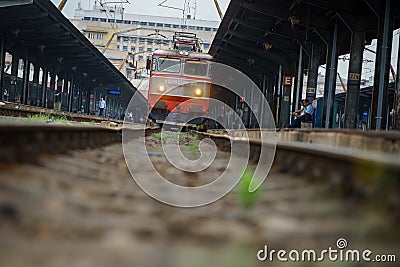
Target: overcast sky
<point>205,8</point>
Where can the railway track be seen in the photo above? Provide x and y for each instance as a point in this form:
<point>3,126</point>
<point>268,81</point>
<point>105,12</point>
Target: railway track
<point>364,174</point>
<point>66,209</point>
<point>26,143</point>
<point>18,110</point>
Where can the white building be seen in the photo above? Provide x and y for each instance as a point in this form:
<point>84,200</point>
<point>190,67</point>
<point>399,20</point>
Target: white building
<point>134,37</point>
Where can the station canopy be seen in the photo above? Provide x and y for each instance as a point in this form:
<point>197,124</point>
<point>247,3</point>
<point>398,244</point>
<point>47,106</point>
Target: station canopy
<point>256,36</point>
<point>52,40</point>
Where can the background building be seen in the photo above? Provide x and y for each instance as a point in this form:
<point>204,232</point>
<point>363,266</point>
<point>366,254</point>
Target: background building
<point>128,39</point>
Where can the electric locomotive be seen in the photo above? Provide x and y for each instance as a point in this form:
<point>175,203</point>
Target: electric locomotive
<point>180,83</point>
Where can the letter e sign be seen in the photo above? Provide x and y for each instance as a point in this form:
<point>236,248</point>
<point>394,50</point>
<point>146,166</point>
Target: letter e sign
<point>287,80</point>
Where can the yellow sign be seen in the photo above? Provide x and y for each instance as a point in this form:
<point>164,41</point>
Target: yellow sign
<point>354,76</point>
<point>310,90</point>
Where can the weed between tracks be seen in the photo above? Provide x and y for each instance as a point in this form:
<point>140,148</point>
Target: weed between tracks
<point>42,118</point>
<point>186,139</point>
<point>47,118</point>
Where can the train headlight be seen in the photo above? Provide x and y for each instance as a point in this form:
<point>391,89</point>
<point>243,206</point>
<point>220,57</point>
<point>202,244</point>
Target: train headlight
<point>198,92</point>
<point>161,89</point>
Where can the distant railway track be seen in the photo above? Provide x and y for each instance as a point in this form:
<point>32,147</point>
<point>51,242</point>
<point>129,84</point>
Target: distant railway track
<point>18,110</point>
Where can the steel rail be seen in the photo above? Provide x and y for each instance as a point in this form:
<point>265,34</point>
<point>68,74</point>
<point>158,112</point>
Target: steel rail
<point>27,143</point>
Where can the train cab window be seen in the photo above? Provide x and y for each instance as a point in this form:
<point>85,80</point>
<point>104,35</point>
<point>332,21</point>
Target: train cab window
<point>154,64</point>
<point>196,67</point>
<point>166,64</point>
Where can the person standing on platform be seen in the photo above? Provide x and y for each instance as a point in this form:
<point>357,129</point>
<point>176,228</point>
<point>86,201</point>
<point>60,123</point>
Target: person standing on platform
<point>102,106</point>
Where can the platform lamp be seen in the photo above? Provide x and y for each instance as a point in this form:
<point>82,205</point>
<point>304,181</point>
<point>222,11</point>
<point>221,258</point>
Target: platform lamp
<point>267,46</point>
<point>294,21</point>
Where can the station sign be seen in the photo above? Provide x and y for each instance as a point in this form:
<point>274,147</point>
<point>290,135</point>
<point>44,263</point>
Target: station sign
<point>287,80</point>
<point>354,76</point>
<point>113,92</point>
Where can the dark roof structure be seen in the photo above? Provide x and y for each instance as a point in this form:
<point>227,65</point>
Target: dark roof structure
<point>256,36</point>
<point>52,40</point>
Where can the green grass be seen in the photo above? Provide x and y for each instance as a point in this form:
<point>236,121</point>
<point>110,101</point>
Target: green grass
<point>246,199</point>
<point>45,117</point>
<point>194,146</point>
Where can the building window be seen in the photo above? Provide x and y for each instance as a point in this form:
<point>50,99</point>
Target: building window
<point>215,29</point>
<point>149,42</point>
<point>117,47</point>
<point>127,22</point>
<point>119,21</point>
<point>103,20</point>
<point>158,41</point>
<point>95,19</point>
<point>133,39</point>
<point>208,29</point>
<point>183,27</point>
<point>124,48</point>
<point>140,58</point>
<point>160,25</point>
<point>143,23</point>
<point>149,49</point>
<point>152,24</point>
<point>128,74</point>
<point>126,39</point>
<point>100,36</point>
<point>192,27</point>
<point>119,39</point>
<point>135,22</point>
<point>167,25</point>
<point>206,46</point>
<point>86,18</point>
<point>141,49</point>
<point>90,35</point>
<point>199,28</point>
<point>175,26</point>
<point>111,20</point>
<point>133,49</point>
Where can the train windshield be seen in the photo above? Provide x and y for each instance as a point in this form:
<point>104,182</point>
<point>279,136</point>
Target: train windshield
<point>196,67</point>
<point>166,64</point>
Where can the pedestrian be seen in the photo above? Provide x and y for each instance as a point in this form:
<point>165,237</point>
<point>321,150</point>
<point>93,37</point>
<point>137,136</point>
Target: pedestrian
<point>102,106</point>
<point>364,120</point>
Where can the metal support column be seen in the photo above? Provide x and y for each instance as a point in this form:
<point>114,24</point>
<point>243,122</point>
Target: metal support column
<point>353,80</point>
<point>330,79</point>
<point>382,64</point>
<point>397,99</point>
<point>262,102</point>
<point>35,90</point>
<point>299,82</point>
<point>312,77</point>
<point>71,93</point>
<point>13,79</point>
<point>44,87</point>
<point>64,94</point>
<point>50,98</point>
<point>2,62</point>
<point>25,82</point>
<point>87,101</point>
<point>278,95</point>
<point>80,98</point>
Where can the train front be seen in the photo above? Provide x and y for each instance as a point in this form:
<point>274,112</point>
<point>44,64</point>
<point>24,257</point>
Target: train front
<point>179,88</point>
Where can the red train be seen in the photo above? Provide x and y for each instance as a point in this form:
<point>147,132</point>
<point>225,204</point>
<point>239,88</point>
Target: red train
<point>179,75</point>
